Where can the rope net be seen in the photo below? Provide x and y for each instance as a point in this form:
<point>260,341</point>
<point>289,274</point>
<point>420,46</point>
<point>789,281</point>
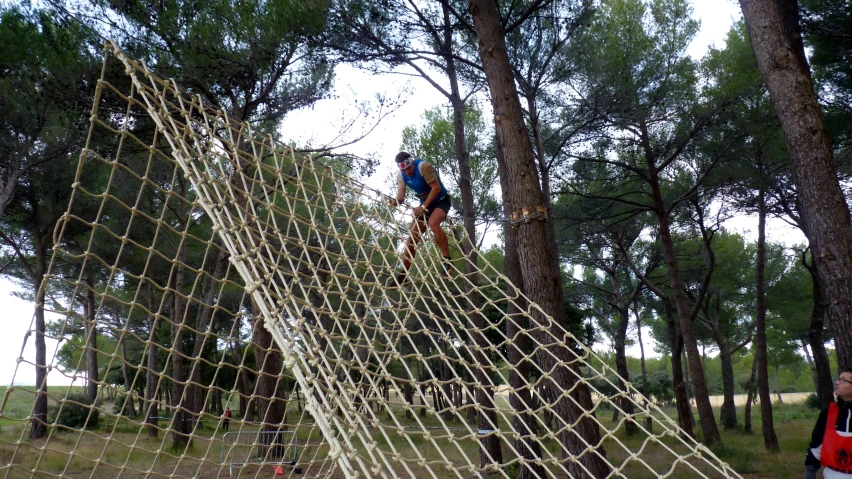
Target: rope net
<point>202,265</point>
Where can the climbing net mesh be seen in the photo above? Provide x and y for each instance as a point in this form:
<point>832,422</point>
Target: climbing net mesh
<point>202,266</point>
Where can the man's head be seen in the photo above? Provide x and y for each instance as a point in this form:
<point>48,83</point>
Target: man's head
<point>843,385</point>
<point>405,162</point>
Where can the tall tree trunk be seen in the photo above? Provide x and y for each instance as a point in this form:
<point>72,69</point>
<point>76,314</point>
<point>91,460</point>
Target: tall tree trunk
<point>470,400</point>
<point>822,366</point>
<point>556,268</point>
<point>465,176</point>
<point>689,392</point>
<point>195,390</point>
<point>180,425</point>
<point>810,361</point>
<point>271,398</point>
<point>129,406</point>
<point>536,257</point>
<point>436,400</point>
<point>544,173</point>
<point>215,407</point>
<point>152,378</point>
<point>752,382</point>
<point>408,394</point>
<point>684,412</point>
<point>524,422</point>
<point>243,386</point>
<point>38,425</point>
<point>490,451</point>
<point>780,55</point>
<point>621,303</point>
<point>218,355</point>
<point>446,393</point>
<point>91,340</point>
<point>702,397</point>
<point>770,440</point>
<point>625,403</point>
<point>649,423</point>
<point>422,388</point>
<point>728,413</point>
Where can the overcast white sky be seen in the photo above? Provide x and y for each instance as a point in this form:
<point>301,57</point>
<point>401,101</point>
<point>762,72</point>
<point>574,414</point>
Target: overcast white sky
<point>716,17</point>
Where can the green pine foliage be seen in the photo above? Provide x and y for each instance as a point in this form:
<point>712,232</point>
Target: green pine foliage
<point>74,412</point>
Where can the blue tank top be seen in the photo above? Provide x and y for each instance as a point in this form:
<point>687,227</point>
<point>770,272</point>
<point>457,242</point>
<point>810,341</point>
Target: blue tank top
<point>419,185</point>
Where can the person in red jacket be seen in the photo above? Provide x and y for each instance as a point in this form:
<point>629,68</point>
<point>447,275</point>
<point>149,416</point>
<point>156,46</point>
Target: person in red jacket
<point>831,441</point>
<point>226,419</point>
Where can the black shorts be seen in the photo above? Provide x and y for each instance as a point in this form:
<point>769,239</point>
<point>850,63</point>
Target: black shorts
<point>444,203</point>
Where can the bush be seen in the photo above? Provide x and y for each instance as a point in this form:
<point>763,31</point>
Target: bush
<point>118,405</point>
<point>74,412</point>
<point>605,386</point>
<point>812,401</point>
<point>660,387</point>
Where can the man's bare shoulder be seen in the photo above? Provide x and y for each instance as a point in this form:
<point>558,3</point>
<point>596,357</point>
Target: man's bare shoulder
<point>428,171</point>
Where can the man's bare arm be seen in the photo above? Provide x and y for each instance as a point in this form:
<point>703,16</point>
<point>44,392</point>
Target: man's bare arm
<point>400,190</point>
<point>436,190</point>
<point>431,178</point>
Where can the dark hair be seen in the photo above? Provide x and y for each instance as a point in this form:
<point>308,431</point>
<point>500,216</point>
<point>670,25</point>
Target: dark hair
<point>845,370</point>
<point>402,156</point>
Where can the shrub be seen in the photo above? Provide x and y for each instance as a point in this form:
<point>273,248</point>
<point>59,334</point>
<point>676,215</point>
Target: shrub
<point>118,405</point>
<point>74,412</point>
<point>812,401</point>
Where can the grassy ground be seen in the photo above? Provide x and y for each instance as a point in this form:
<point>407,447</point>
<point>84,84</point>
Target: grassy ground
<point>746,454</point>
<point>119,447</point>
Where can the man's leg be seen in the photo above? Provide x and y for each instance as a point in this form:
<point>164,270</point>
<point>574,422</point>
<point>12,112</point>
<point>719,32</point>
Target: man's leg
<point>417,229</point>
<point>435,219</point>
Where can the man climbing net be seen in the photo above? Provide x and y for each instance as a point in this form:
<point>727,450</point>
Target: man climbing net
<point>435,203</point>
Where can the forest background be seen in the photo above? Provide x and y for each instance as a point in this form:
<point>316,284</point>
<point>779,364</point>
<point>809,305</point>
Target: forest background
<point>629,130</point>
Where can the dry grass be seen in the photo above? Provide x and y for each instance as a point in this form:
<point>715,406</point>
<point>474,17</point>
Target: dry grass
<point>121,449</point>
